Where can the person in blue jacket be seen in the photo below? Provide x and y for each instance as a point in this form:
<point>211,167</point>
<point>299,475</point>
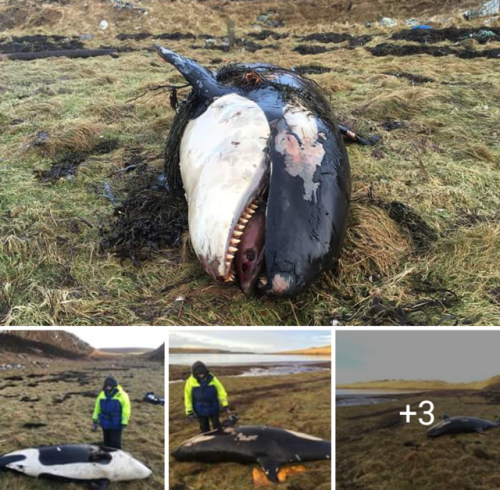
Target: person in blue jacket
<point>112,412</point>
<point>204,397</point>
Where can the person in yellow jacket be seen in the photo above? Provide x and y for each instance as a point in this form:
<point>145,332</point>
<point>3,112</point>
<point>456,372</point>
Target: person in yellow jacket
<point>112,412</point>
<point>204,397</point>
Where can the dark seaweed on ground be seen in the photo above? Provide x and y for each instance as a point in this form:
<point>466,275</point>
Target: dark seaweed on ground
<point>305,49</point>
<point>414,79</point>
<point>336,38</point>
<point>387,49</point>
<point>148,219</point>
<point>392,125</point>
<point>139,36</point>
<point>265,33</point>
<point>421,233</point>
<point>38,43</point>
<point>67,164</point>
<point>311,69</point>
<point>250,46</point>
<point>453,34</point>
<point>175,36</point>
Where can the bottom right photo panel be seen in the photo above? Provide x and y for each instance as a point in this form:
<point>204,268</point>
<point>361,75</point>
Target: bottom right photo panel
<point>417,410</point>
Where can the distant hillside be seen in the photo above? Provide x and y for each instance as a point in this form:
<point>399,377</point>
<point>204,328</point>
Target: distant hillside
<point>53,343</point>
<point>157,355</point>
<point>312,351</point>
<point>198,350</point>
<point>492,384</point>
<point>126,350</point>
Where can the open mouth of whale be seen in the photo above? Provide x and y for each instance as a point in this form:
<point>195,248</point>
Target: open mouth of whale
<point>266,176</point>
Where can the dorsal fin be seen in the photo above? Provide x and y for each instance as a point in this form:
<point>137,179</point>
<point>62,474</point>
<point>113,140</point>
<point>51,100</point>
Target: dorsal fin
<point>196,75</point>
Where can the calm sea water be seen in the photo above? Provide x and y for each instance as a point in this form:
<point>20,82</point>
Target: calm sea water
<point>236,359</point>
<point>347,398</point>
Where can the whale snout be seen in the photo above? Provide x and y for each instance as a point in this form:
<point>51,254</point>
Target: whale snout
<point>282,284</point>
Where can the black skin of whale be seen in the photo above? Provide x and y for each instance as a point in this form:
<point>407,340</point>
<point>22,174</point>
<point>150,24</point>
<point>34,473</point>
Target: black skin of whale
<point>269,447</point>
<point>303,237</point>
<point>461,425</point>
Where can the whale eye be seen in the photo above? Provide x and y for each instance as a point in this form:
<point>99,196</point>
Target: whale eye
<point>250,255</point>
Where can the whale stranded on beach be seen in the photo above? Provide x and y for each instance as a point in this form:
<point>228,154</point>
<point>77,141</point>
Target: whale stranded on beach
<point>76,463</point>
<point>263,165</point>
<point>271,448</point>
<point>461,425</point>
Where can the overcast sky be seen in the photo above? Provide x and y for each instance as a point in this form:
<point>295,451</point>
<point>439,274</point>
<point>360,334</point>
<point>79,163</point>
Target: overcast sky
<point>429,355</point>
<point>250,340</point>
<point>101,337</point>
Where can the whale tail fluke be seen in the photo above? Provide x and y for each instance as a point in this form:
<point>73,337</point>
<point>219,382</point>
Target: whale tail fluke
<point>6,460</point>
<point>202,81</point>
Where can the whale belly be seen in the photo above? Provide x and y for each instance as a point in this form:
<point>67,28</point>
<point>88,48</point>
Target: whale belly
<point>224,149</point>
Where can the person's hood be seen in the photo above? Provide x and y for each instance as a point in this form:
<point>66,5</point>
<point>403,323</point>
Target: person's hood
<point>199,368</point>
<point>110,381</point>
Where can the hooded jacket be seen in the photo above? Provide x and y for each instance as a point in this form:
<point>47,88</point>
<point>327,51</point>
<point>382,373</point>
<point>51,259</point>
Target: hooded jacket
<point>112,410</point>
<point>205,396</point>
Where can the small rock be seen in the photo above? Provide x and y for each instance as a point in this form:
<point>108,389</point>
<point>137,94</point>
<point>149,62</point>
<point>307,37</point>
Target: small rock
<point>84,37</point>
<point>209,43</point>
<point>411,22</point>
<point>388,22</point>
<point>104,24</point>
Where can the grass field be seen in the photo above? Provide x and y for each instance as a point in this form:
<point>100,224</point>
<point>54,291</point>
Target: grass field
<point>375,446</point>
<point>39,398</point>
<point>423,245</point>
<point>300,402</point>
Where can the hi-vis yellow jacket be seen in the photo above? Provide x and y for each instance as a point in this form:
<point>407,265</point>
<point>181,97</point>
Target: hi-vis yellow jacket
<point>114,411</point>
<point>206,398</point>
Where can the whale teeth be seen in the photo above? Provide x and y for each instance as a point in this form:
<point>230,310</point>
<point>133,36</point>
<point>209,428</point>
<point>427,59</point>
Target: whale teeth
<point>240,227</point>
<point>233,250</point>
<point>237,233</point>
<point>228,263</point>
<point>254,206</point>
<point>263,280</point>
<point>229,257</point>
<point>250,211</point>
<point>247,216</point>
<point>230,278</point>
<point>243,220</point>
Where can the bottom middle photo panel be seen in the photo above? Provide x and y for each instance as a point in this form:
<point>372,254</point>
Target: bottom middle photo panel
<point>250,409</point>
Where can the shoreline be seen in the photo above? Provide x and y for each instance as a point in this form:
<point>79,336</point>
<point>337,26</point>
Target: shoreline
<point>178,372</point>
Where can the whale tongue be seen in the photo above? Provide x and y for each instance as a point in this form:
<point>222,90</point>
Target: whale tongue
<point>249,258</point>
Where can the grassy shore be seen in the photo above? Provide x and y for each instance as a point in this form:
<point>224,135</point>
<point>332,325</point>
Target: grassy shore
<point>300,402</point>
<point>76,142</point>
<point>375,446</point>
<point>61,398</point>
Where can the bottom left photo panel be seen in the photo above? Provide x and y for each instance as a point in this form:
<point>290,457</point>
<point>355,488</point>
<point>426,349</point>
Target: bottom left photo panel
<point>82,408</point>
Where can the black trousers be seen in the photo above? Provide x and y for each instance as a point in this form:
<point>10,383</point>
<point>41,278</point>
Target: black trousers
<point>112,438</point>
<point>205,423</point>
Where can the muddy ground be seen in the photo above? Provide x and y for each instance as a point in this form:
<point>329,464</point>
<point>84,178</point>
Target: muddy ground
<point>300,402</point>
<point>53,404</point>
<point>102,241</point>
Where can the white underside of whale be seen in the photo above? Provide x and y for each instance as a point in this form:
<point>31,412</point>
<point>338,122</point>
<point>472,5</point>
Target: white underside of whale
<point>122,467</point>
<point>223,164</point>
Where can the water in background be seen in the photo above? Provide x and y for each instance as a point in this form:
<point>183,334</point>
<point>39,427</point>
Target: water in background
<point>349,398</point>
<point>234,359</point>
